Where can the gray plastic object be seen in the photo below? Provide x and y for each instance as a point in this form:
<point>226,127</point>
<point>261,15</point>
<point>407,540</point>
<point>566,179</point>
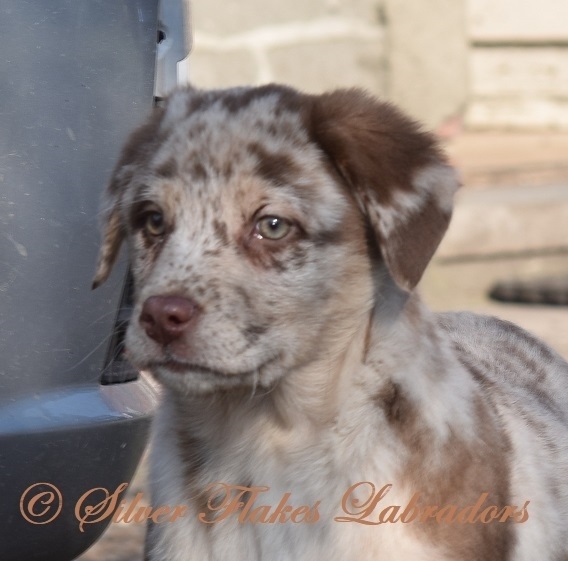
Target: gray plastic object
<point>75,77</point>
<point>174,44</point>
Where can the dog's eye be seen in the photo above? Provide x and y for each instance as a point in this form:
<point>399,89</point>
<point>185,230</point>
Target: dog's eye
<point>154,224</point>
<point>272,227</point>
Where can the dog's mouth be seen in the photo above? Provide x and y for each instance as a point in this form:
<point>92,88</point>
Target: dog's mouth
<point>182,367</point>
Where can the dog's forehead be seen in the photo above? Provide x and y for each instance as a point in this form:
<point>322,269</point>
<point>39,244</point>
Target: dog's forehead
<point>245,144</point>
<point>212,132</point>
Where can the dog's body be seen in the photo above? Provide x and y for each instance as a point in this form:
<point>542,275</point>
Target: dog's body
<point>275,241</point>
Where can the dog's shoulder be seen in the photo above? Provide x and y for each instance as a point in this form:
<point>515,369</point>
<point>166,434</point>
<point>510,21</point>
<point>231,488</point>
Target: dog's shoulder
<point>500,354</point>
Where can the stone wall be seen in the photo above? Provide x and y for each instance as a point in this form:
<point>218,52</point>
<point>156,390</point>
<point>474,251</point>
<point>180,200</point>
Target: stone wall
<point>491,63</point>
<point>310,44</point>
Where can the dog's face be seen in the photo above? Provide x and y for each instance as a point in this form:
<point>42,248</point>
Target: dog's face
<point>253,218</point>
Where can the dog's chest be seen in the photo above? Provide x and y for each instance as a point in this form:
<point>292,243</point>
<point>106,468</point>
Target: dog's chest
<point>285,499</point>
<point>284,525</point>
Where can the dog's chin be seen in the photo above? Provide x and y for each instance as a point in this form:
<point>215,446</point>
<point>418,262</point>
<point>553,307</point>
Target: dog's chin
<point>190,379</point>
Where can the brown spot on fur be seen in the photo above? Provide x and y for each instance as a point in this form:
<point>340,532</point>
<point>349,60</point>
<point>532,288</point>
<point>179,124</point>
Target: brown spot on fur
<point>253,332</point>
<point>395,405</point>
<point>298,256</point>
<point>199,101</point>
<point>469,469</point>
<point>212,252</point>
<point>275,167</point>
<point>227,169</point>
<point>197,129</point>
<point>328,237</point>
<point>167,169</point>
<point>221,231</point>
<point>268,260</point>
<point>242,293</point>
<point>198,171</point>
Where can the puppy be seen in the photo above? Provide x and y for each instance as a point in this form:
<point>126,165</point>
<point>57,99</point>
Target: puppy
<point>313,408</point>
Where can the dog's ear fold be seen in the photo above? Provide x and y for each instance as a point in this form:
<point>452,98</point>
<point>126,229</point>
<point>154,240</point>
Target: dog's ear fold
<point>113,235</point>
<point>396,173</point>
<point>137,149</point>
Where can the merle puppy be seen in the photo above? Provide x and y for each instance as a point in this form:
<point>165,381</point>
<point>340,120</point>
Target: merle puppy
<point>313,408</point>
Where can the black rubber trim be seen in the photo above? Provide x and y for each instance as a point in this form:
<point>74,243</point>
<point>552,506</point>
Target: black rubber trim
<point>117,369</point>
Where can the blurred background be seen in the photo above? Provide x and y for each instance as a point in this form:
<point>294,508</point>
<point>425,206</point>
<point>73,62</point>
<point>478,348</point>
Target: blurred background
<point>490,77</point>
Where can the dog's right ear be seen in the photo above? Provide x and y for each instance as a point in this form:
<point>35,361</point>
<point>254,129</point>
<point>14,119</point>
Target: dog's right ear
<point>136,151</point>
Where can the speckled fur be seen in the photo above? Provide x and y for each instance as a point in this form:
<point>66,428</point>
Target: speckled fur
<point>313,364</point>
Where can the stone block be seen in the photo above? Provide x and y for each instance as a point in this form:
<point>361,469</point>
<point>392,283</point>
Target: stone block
<point>511,20</point>
<point>519,71</point>
<point>517,113</point>
<point>230,18</point>
<point>326,65</point>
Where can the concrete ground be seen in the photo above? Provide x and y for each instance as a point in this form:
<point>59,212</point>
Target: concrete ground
<point>511,221</point>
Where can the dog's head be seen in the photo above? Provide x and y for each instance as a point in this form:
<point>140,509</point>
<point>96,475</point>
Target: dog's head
<point>255,218</point>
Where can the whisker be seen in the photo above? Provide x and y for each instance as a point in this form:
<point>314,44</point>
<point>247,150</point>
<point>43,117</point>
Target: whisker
<point>255,378</point>
<point>105,340</point>
<point>106,314</point>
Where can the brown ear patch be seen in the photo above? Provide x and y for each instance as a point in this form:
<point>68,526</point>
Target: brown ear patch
<point>409,236</point>
<point>395,172</point>
<point>371,143</point>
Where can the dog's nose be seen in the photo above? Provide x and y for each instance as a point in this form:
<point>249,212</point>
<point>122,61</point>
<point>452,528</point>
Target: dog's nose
<point>166,318</point>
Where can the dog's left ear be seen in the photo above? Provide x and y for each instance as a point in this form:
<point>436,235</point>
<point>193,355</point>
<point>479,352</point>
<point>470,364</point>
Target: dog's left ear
<point>113,235</point>
<point>397,174</point>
